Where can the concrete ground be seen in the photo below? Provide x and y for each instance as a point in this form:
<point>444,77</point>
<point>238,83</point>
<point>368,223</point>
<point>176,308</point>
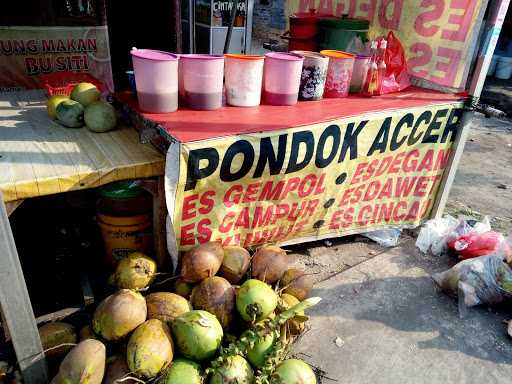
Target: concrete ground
<point>382,320</point>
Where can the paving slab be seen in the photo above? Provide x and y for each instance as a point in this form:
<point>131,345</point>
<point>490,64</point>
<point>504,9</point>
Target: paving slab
<point>392,325</point>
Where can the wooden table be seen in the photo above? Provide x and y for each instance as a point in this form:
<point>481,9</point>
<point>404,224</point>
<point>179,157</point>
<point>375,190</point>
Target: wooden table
<point>40,157</point>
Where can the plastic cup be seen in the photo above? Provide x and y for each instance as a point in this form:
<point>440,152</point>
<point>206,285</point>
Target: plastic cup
<point>156,79</point>
<point>281,79</point>
<point>314,72</point>
<point>359,73</point>
<point>203,77</point>
<point>243,76</point>
<point>339,73</point>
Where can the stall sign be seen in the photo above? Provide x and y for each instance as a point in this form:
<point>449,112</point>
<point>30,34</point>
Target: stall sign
<point>28,52</point>
<point>324,180</point>
<point>438,35</point>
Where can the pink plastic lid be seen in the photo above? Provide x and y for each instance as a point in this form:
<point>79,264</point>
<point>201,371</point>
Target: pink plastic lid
<point>284,56</point>
<point>199,56</point>
<point>152,54</point>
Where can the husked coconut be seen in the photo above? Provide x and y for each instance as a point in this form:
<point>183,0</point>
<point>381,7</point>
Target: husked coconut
<point>201,262</point>
<point>53,335</point>
<point>269,264</point>
<point>217,296</point>
<point>166,306</point>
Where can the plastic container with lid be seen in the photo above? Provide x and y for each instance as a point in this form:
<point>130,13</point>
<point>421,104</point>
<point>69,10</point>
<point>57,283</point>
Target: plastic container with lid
<point>343,34</point>
<point>124,216</point>
<point>339,73</point>
<point>243,76</point>
<point>156,79</point>
<point>314,72</point>
<point>203,78</point>
<point>281,79</point>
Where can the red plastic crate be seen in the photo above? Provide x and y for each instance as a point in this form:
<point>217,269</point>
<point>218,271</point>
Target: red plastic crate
<point>62,83</point>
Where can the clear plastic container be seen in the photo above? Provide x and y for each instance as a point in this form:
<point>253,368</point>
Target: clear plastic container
<point>156,78</point>
<point>314,72</point>
<point>359,72</point>
<point>243,77</point>
<point>203,77</point>
<point>281,80</point>
<point>339,73</point>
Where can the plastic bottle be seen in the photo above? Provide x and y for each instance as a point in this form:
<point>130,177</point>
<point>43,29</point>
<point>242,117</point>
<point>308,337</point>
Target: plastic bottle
<point>371,83</point>
<point>381,64</point>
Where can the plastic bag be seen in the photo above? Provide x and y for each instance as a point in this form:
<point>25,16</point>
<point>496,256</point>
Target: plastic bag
<point>433,235</point>
<point>474,244</point>
<point>483,280</point>
<point>396,77</point>
<point>385,237</point>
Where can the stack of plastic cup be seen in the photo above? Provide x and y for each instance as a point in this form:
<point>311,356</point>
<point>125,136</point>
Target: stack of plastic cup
<point>339,73</point>
<point>243,77</point>
<point>203,77</point>
<point>281,79</point>
<point>359,73</point>
<point>156,78</point>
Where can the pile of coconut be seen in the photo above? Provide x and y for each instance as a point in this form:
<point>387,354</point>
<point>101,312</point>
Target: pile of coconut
<point>232,318</point>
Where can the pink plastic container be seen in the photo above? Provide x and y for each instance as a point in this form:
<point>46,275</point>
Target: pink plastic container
<point>203,77</point>
<point>339,73</point>
<point>156,78</point>
<point>281,79</point>
<point>361,63</point>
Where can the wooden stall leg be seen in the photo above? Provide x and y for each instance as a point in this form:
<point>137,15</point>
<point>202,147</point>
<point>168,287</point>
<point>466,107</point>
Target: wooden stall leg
<point>156,188</point>
<point>17,308</point>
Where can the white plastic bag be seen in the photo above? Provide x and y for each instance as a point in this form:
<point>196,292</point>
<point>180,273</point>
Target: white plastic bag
<point>433,234</point>
<point>385,237</point>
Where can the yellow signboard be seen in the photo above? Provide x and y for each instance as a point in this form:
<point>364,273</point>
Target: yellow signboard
<point>345,176</point>
<point>437,35</point>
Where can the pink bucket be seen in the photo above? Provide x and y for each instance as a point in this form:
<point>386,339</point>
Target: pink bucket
<point>203,77</point>
<point>339,73</point>
<point>156,78</point>
<point>281,78</point>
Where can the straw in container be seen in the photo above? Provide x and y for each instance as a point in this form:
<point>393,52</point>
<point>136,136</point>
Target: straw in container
<point>243,76</point>
<point>281,79</point>
<point>314,72</point>
<point>203,77</point>
<point>156,79</point>
<point>339,73</point>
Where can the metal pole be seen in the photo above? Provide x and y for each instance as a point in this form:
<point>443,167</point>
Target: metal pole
<point>231,24</point>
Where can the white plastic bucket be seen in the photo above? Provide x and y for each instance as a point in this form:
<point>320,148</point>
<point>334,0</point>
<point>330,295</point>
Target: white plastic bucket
<point>504,68</point>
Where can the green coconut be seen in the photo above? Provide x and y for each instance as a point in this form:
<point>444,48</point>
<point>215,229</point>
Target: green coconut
<point>70,114</point>
<point>217,296</point>
<point>150,349</point>
<point>234,370</point>
<point>235,264</point>
<point>84,364</point>
<point>183,371</point>
<point>182,288</point>
<point>293,371</point>
<point>100,116</point>
<point>256,355</point>
<point>166,306</point>
<point>255,300</point>
<point>85,93</point>
<point>198,334</point>
<point>297,283</point>
<point>135,271</point>
<point>119,314</point>
<point>86,332</point>
<point>117,369</point>
<point>55,334</point>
